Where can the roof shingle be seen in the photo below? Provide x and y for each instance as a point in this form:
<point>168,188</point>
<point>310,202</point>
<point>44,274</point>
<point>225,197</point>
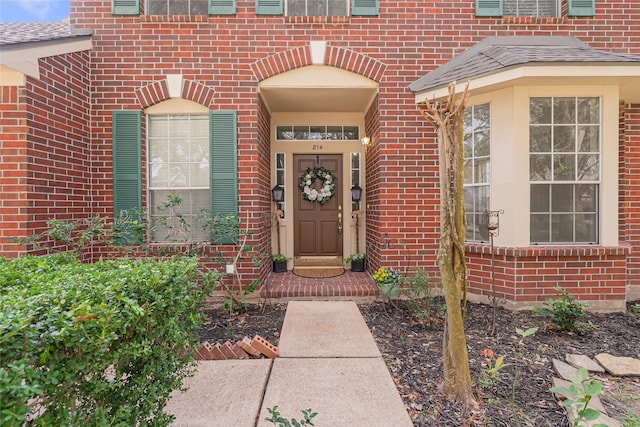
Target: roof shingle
<point>497,53</point>
<point>29,32</point>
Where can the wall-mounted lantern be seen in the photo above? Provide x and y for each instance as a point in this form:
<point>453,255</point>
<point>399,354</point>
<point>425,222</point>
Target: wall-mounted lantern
<point>356,193</point>
<point>277,194</point>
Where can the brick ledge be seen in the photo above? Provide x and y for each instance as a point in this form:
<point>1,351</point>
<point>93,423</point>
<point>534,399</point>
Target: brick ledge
<point>152,19</point>
<point>317,19</point>
<point>559,251</point>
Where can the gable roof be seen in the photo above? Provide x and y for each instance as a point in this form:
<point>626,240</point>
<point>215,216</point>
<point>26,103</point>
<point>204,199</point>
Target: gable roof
<point>23,44</point>
<point>495,54</point>
<point>29,32</point>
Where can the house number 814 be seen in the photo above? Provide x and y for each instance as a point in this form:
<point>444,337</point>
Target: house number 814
<point>317,147</point>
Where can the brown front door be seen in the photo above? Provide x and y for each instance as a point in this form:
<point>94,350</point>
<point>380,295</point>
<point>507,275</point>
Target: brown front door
<point>317,228</point>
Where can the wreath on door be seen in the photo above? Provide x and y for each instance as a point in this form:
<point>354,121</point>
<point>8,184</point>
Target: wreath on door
<point>307,185</point>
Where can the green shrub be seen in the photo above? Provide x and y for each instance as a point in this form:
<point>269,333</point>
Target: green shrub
<point>419,290</point>
<point>565,310</point>
<point>96,344</point>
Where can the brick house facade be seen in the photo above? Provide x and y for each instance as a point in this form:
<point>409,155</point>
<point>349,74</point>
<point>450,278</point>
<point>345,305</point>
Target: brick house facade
<point>283,90</point>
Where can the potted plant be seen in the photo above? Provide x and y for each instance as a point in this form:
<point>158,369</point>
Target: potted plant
<point>388,281</point>
<point>357,262</point>
<point>279,263</point>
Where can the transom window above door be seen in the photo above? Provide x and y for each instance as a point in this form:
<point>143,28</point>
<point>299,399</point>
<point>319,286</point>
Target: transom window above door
<point>317,7</point>
<point>317,133</point>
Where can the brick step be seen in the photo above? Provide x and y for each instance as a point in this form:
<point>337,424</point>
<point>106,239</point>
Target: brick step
<point>325,288</point>
<point>320,261</point>
<point>247,348</point>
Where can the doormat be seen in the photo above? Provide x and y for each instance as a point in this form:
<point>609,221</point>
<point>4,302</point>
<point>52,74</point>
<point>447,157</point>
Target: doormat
<point>318,272</point>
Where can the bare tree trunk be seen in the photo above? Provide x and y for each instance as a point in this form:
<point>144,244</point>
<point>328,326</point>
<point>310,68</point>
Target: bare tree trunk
<point>448,119</point>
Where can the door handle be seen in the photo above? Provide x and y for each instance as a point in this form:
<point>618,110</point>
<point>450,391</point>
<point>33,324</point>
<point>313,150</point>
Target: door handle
<point>339,219</point>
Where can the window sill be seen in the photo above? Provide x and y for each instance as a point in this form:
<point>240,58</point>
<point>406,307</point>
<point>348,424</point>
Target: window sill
<point>526,20</point>
<point>175,18</point>
<point>317,19</point>
<point>548,251</point>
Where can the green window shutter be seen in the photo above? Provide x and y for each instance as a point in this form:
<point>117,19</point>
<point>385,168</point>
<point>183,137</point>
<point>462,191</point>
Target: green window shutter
<point>582,8</point>
<point>222,7</point>
<point>488,7</point>
<point>269,7</point>
<point>125,7</point>
<point>223,152</point>
<point>364,7</point>
<point>126,157</point>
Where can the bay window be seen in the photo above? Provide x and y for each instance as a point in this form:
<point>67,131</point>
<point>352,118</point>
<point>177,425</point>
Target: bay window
<point>564,169</point>
<point>477,169</point>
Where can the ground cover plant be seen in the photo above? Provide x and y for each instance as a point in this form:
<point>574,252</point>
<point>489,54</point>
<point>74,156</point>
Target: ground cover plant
<point>411,346</point>
<point>96,344</point>
<point>278,420</point>
<point>565,311</point>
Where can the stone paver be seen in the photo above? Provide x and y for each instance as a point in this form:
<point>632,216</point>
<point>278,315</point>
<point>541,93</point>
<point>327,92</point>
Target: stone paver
<point>621,366</point>
<point>222,393</point>
<point>343,391</point>
<point>565,370</point>
<point>603,419</point>
<point>582,361</point>
<point>594,403</point>
<point>325,329</point>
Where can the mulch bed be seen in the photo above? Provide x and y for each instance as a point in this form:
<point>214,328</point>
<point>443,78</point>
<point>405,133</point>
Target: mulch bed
<point>412,349</point>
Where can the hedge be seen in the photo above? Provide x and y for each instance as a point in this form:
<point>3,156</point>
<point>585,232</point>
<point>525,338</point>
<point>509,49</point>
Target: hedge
<point>96,344</point>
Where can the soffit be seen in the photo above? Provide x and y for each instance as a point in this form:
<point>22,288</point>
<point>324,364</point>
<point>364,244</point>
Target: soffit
<point>23,44</point>
<point>627,78</point>
<point>318,88</point>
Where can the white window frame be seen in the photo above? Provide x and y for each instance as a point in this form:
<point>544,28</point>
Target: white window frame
<point>355,174</point>
<point>192,206</point>
<point>557,181</point>
<point>286,7</point>
<point>148,8</point>
<point>317,132</point>
<point>510,185</point>
<point>281,172</point>
<point>505,11</point>
<point>475,218</point>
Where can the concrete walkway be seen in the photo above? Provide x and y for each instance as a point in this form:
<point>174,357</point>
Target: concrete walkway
<point>328,361</point>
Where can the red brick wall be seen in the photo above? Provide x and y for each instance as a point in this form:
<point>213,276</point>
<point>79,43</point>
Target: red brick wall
<point>630,189</point>
<point>13,173</point>
<point>527,276</point>
<point>231,54</point>
<point>372,186</point>
<point>58,106</point>
<point>47,148</point>
<point>261,208</point>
